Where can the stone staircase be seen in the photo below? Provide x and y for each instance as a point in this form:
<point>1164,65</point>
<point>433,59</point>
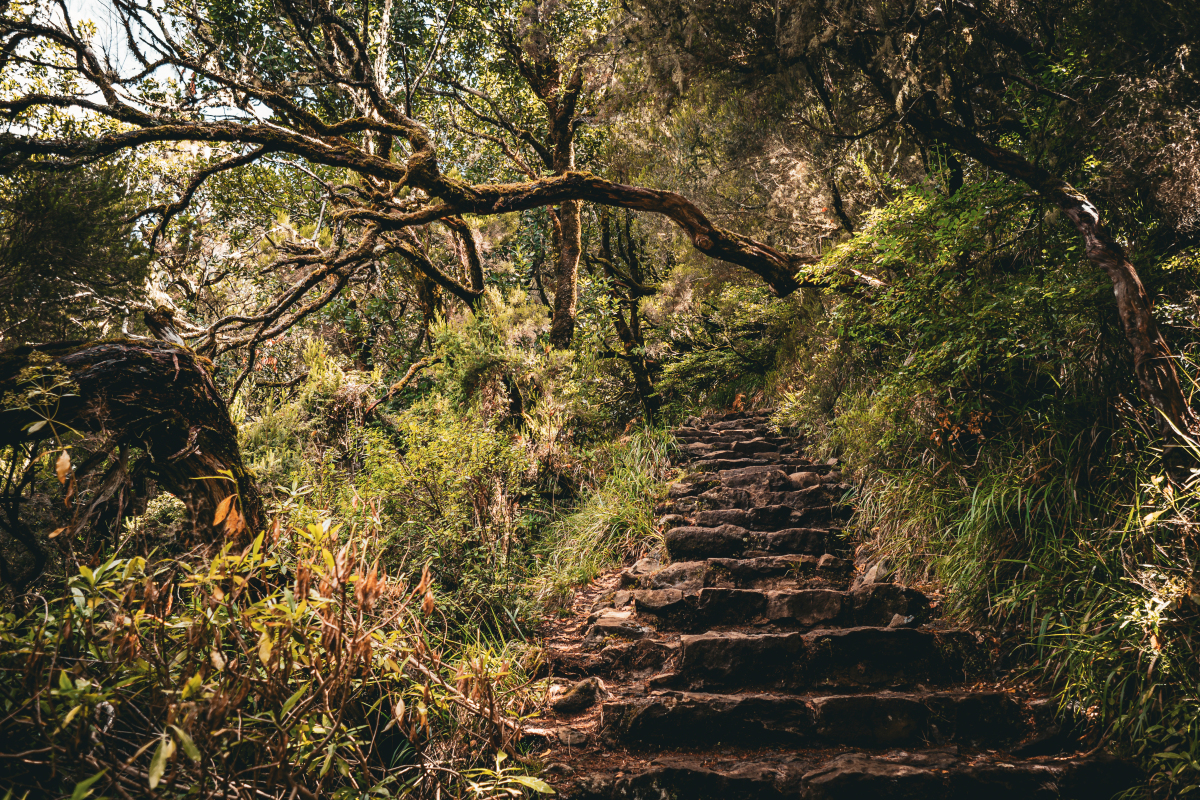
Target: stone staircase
<point>752,660</point>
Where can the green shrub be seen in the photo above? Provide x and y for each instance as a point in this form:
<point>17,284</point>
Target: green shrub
<point>293,668</point>
<point>981,397</point>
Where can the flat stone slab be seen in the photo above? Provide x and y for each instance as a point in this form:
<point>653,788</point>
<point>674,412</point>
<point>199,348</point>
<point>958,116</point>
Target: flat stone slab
<point>762,572</point>
<point>840,658</point>
<point>694,543</point>
<point>675,719</point>
<point>712,607</point>
<point>930,775</point>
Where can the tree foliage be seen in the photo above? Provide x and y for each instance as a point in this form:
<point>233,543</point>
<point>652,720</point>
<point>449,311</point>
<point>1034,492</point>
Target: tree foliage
<point>67,254</point>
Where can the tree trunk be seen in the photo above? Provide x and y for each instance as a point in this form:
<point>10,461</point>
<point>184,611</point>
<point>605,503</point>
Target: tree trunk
<point>152,395</point>
<point>1152,359</point>
<point>566,277</point>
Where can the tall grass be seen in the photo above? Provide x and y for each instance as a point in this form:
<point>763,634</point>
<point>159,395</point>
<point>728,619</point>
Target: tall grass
<point>1091,584</point>
<point>615,519</point>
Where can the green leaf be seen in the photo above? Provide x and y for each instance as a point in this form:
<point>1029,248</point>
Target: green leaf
<point>192,686</point>
<point>328,761</point>
<point>158,764</point>
<point>536,784</point>
<point>84,787</point>
<point>185,741</point>
<point>290,703</point>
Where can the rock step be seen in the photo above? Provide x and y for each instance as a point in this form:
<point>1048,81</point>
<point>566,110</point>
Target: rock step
<point>738,440</point>
<point>715,463</point>
<point>735,714</point>
<point>749,430</point>
<point>735,423</point>
<point>765,572</point>
<point>801,489</point>
<point>851,658</point>
<point>751,482</point>
<point>940,774</point>
<point>691,543</point>
<point>878,720</point>
<point>875,604</point>
<point>822,497</point>
<point>801,464</point>
<point>700,513</point>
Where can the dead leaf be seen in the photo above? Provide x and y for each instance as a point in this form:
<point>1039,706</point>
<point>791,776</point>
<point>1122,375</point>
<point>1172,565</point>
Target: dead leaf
<point>55,533</point>
<point>223,510</point>
<point>426,580</point>
<point>233,523</point>
<point>63,466</point>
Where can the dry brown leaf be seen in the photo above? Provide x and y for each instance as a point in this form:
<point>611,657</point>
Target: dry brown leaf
<point>233,523</point>
<point>223,510</point>
<point>55,533</point>
<point>63,466</point>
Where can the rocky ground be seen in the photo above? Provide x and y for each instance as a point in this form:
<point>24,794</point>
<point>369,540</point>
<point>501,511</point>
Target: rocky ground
<point>754,659</point>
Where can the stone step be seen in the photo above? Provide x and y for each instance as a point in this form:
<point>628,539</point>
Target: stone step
<point>695,543</point>
<point>765,572</point>
<point>849,658</point>
<point>771,517</point>
<point>675,719</point>
<point>693,436</point>
<point>938,774</point>
<point>774,489</point>
<point>875,604</point>
<point>773,478</point>
<point>729,434</point>
<point>716,464</point>
<point>699,446</point>
<point>733,423</point>
<point>699,512</point>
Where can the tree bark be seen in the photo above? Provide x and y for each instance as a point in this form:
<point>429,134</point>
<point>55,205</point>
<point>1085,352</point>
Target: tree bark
<point>566,275</point>
<point>629,333</point>
<point>155,396</point>
<point>1152,359</point>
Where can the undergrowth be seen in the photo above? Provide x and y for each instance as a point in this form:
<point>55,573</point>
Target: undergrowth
<point>294,667</point>
<point>376,639</point>
<point>615,522</point>
<point>982,401</point>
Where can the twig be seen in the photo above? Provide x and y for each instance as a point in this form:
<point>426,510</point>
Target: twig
<point>427,361</point>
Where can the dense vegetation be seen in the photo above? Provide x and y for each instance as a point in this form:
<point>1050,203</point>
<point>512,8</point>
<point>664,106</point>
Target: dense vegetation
<point>450,270</point>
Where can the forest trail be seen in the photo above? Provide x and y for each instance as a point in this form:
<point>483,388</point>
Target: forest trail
<point>755,660</point>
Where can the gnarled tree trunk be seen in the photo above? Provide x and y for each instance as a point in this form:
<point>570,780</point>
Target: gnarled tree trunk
<point>1153,363</point>
<point>150,395</point>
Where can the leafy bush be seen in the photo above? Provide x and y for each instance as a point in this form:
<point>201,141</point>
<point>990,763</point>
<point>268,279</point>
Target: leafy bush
<point>439,484</point>
<point>69,260</point>
<point>292,668</point>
